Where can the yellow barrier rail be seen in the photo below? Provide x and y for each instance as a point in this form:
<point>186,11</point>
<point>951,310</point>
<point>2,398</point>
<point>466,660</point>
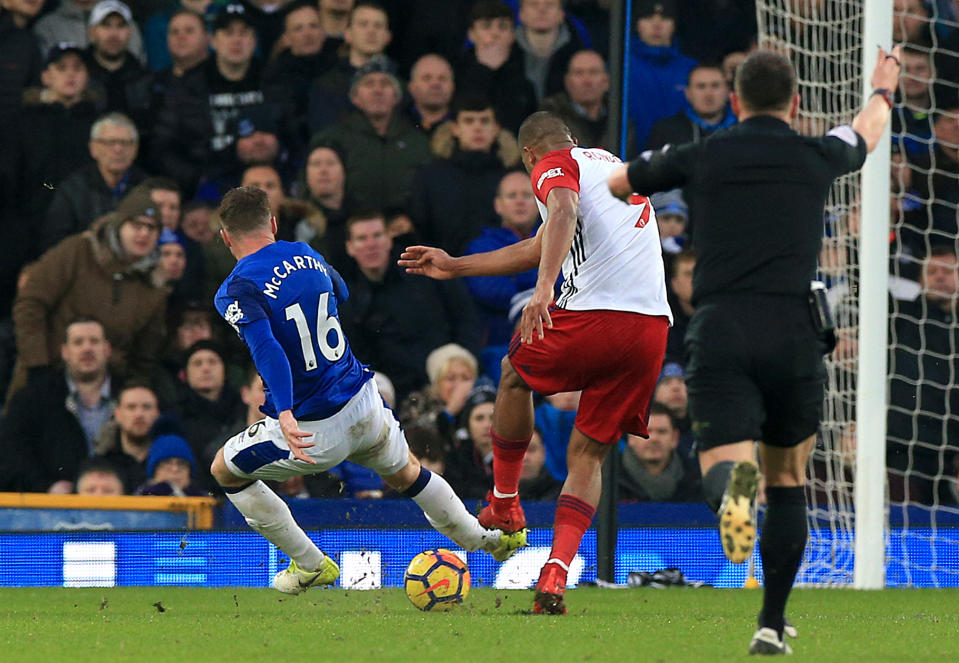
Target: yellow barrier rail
<point>199,510</point>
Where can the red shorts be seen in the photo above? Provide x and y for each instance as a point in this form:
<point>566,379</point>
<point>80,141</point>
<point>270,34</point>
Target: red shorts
<point>614,357</point>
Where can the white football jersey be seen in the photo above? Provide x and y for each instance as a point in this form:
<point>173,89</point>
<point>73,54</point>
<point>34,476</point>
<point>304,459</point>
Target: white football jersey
<point>616,261</point>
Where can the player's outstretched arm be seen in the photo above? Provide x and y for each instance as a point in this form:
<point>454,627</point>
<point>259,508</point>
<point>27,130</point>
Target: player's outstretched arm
<point>437,263</point>
<point>871,120</point>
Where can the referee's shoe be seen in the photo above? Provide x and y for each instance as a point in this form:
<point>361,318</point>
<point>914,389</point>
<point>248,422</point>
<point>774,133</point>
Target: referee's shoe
<point>737,513</point>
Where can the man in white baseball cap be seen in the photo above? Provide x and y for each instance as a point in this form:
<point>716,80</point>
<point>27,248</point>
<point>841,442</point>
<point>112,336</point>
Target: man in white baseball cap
<point>69,22</point>
<point>112,67</point>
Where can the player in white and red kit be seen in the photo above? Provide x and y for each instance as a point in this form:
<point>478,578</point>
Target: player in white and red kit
<point>605,334</point>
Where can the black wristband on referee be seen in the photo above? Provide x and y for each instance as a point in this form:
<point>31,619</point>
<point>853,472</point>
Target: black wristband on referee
<point>885,94</point>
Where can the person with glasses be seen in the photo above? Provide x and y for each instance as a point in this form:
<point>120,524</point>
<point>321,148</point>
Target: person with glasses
<point>105,272</point>
<point>95,188</point>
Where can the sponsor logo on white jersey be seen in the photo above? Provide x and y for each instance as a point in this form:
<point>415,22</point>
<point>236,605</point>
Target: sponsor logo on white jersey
<point>552,172</point>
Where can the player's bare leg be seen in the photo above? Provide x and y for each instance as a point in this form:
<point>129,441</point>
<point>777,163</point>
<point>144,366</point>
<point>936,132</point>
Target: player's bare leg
<point>785,530</point>
<point>512,430</point>
<point>447,513</point>
<point>730,482</point>
<point>575,509</point>
<point>269,515</point>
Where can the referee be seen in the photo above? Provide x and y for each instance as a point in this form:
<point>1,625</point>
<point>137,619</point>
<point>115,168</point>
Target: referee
<point>755,367</point>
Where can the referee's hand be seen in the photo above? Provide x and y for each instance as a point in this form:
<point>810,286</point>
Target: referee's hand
<point>888,67</point>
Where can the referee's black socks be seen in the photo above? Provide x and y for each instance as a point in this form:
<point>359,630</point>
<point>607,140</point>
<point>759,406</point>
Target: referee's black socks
<point>784,534</point>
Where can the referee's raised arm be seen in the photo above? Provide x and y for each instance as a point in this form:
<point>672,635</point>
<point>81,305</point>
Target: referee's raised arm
<point>872,119</point>
<point>671,167</point>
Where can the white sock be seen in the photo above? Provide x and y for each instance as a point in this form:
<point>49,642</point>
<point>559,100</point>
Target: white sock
<point>270,516</point>
<point>448,515</point>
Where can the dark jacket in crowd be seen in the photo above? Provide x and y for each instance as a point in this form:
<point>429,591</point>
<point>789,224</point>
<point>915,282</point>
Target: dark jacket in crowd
<point>587,131</point>
<point>939,191</point>
<point>20,65</point>
<point>54,141</point>
<point>328,98</point>
<point>379,169</point>
<point>133,472</point>
<point>41,440</point>
<point>675,341</point>
<point>287,81</point>
<point>451,199</point>
<point>923,401</point>
<point>541,488</point>
<point>88,275</point>
<point>384,334</point>
<point>512,94</point>
<point>117,86</point>
<point>709,29</point>
<point>82,198</point>
<point>468,474</point>
<point>268,25</point>
<point>335,239</point>
<point>685,127</point>
<point>195,138</point>
<point>208,424</point>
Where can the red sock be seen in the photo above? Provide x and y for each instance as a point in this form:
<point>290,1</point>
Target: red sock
<point>508,463</point>
<point>573,517</point>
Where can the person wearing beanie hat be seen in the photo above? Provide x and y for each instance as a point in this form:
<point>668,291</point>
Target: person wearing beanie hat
<point>672,213</point>
<point>367,36</point>
<point>170,468</point>
<point>469,463</point>
<point>383,149</point>
<point>172,257</point>
<point>163,449</point>
<point>106,273</point>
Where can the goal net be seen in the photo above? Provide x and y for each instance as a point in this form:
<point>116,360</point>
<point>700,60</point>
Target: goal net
<point>823,38</point>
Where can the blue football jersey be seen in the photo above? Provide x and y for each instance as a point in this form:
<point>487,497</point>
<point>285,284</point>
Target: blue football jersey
<point>292,287</point>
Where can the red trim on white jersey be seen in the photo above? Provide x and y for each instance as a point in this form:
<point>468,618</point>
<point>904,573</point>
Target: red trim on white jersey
<point>558,169</point>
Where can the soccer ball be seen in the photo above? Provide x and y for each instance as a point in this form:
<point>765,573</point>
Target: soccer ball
<point>437,580</point>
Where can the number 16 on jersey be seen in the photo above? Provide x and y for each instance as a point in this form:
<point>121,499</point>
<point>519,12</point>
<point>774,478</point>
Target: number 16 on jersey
<point>325,326</point>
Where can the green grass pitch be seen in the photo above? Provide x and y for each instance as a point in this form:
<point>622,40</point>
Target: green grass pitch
<point>158,624</point>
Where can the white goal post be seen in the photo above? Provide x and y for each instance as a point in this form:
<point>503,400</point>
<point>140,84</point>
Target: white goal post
<point>870,515</point>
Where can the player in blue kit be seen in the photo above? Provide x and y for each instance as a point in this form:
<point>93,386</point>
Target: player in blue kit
<point>322,404</point>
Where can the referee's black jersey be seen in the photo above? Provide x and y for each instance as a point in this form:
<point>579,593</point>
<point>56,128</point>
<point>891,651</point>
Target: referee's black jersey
<point>759,189</point>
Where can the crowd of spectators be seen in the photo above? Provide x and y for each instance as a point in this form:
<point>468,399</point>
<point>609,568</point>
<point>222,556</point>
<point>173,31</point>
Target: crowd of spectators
<point>370,125</point>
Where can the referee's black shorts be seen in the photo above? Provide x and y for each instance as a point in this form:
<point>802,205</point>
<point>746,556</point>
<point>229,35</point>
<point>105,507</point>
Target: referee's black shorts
<point>754,371</point>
